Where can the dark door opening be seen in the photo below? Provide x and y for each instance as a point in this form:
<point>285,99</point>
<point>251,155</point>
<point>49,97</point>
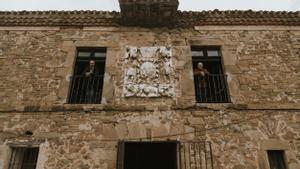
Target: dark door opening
<point>150,155</point>
<point>276,159</point>
<point>24,158</point>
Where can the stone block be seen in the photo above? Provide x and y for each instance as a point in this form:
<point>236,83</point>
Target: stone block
<point>109,131</point>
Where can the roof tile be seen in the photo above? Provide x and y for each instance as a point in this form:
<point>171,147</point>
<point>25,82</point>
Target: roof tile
<point>184,18</point>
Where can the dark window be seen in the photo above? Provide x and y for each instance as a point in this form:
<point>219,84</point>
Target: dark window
<point>23,158</point>
<point>147,155</point>
<point>209,78</point>
<point>276,159</point>
<point>87,80</point>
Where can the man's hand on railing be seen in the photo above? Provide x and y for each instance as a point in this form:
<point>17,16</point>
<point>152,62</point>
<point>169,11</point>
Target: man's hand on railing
<point>88,74</point>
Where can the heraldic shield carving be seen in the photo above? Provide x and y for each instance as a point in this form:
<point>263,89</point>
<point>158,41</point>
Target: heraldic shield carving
<point>148,72</point>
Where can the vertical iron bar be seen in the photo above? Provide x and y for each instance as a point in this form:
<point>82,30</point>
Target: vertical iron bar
<point>82,90</point>
<point>184,157</point>
<point>208,77</point>
<point>226,88</point>
<point>223,88</point>
<point>101,89</point>
<point>200,155</point>
<point>195,157</point>
<point>98,89</point>
<point>215,91</point>
<point>91,90</point>
<point>205,160</point>
<point>77,88</point>
<point>196,161</point>
<point>190,158</point>
<point>200,87</point>
<point>211,157</point>
<point>94,89</point>
<point>222,83</point>
<point>197,88</point>
<point>205,87</point>
<point>205,155</point>
<point>220,88</point>
<point>87,91</point>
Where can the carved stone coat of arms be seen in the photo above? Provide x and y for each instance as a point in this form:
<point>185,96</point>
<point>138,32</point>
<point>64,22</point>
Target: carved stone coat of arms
<point>148,72</point>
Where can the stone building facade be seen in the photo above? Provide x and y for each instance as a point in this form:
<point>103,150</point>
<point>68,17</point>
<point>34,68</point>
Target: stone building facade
<point>260,56</point>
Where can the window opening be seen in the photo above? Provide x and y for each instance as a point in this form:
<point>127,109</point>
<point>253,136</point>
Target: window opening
<point>276,159</point>
<point>87,80</point>
<point>209,78</point>
<point>24,158</point>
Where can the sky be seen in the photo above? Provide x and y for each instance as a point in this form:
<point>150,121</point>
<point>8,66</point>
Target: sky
<point>186,5</point>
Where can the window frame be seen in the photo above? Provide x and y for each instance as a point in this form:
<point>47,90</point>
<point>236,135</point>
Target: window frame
<point>13,153</point>
<point>92,50</point>
<point>206,58</point>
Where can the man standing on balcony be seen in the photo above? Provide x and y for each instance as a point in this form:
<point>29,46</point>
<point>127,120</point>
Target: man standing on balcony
<point>90,69</point>
<point>89,86</point>
<point>201,78</point>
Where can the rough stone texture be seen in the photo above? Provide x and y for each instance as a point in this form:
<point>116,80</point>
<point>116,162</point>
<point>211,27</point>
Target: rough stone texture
<point>262,66</point>
<point>86,140</point>
<point>263,78</point>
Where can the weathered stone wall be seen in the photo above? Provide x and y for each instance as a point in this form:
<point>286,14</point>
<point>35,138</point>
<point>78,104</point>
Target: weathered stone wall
<point>89,140</point>
<point>262,65</point>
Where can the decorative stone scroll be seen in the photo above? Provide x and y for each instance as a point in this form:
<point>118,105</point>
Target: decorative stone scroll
<point>148,72</point>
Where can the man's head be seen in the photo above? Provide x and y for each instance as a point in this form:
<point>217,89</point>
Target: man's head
<point>92,62</point>
<point>200,65</point>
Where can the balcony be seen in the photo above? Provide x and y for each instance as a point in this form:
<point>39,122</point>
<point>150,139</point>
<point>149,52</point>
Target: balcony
<point>86,89</point>
<point>211,88</point>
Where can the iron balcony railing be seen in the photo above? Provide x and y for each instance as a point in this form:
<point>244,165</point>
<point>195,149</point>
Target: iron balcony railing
<point>86,89</point>
<point>195,155</point>
<point>211,88</point>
